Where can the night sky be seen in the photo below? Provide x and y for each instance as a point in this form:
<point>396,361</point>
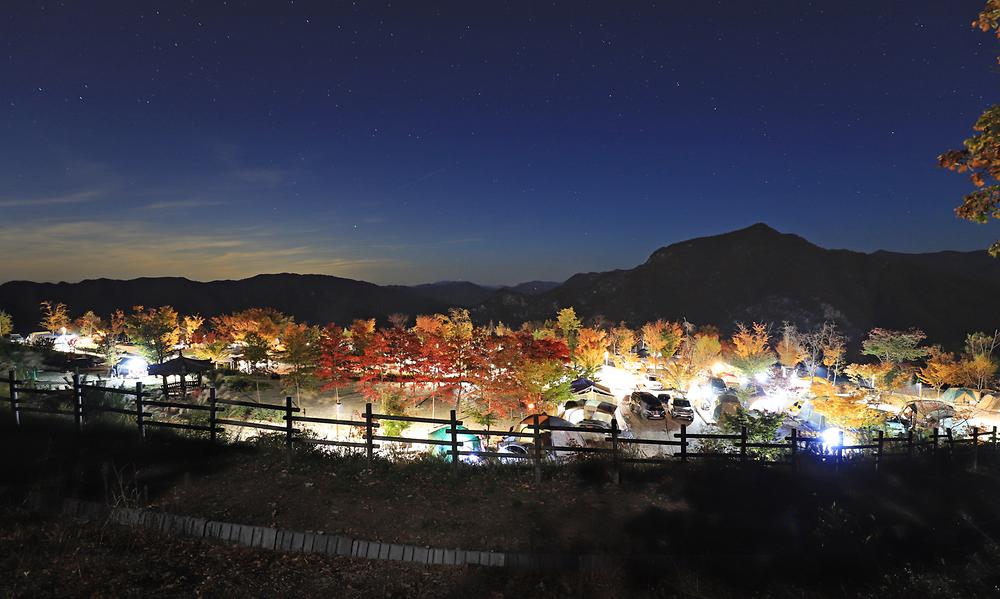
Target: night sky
<point>400,142</point>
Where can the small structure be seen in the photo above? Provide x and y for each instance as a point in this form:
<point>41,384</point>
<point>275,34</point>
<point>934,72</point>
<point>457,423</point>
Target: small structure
<point>587,390</point>
<point>180,367</point>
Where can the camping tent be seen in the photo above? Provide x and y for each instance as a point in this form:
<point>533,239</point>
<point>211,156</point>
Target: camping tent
<point>960,395</point>
<point>469,442</point>
<point>989,402</point>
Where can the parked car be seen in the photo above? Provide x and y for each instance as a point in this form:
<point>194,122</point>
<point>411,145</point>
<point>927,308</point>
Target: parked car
<point>652,384</point>
<point>681,409</point>
<point>647,406</point>
<point>14,338</point>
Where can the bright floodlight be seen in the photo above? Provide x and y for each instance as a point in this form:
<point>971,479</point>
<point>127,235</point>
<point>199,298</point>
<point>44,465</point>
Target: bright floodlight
<point>831,438</point>
<point>135,363</point>
<point>761,377</point>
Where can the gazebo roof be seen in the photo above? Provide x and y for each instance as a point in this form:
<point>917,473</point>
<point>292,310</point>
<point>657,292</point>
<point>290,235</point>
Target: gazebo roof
<point>180,365</point>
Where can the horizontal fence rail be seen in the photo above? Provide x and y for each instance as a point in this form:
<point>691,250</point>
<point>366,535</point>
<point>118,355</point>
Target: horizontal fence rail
<point>536,444</point>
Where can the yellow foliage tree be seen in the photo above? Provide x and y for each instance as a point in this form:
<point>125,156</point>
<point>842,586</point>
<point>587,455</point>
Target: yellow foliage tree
<point>662,339</point>
<point>591,346</point>
<point>941,369</point>
<point>790,348</point>
<point>751,353</point>
<point>849,412</point>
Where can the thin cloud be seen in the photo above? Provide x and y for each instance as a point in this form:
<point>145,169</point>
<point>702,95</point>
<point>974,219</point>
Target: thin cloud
<point>81,197</point>
<point>53,251</point>
<point>183,204</point>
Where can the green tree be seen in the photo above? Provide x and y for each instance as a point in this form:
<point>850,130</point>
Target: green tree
<point>762,427</point>
<point>257,355</point>
<point>301,353</point>
<point>894,347</point>
<point>568,325</point>
<point>6,323</point>
<point>980,155</point>
<point>155,330</point>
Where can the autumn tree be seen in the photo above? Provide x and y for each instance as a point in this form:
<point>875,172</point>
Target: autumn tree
<point>361,332</point>
<point>751,353</point>
<point>55,316</point>
<point>257,355</point>
<point>622,344</point>
<point>190,326</point>
<point>694,359</point>
<point>980,155</point>
<point>834,349</point>
<point>429,325</point>
<point>215,348</point>
<point>977,364</point>
<point>6,324</point>
<point>398,320</point>
<point>790,347</point>
<point>155,330</point>
<point>266,323</point>
<point>110,335</point>
<point>568,325</point>
<point>88,323</point>
<point>879,376</point>
<point>662,338</point>
<point>464,352</point>
<point>591,347</point>
<point>336,359</point>
<point>941,368</point>
<point>849,413</point>
<point>300,351</point>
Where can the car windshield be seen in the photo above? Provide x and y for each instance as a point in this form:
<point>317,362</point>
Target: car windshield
<point>682,403</point>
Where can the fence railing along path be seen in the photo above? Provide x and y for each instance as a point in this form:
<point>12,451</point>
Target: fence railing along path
<point>26,399</point>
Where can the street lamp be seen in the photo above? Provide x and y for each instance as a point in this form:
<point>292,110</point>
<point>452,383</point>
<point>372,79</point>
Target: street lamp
<point>338,419</point>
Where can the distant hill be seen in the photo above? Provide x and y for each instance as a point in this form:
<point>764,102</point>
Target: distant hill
<point>317,299</point>
<point>311,298</point>
<point>761,274</point>
<point>756,273</point>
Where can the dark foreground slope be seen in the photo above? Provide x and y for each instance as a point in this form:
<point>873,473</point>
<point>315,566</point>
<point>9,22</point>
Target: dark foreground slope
<point>758,273</point>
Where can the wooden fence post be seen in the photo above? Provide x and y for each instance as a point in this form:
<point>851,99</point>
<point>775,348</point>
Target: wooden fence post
<point>994,437</point>
<point>369,450</point>
<point>615,473</point>
<point>454,440</point>
<point>909,444</point>
<point>975,447</point>
<point>840,449</point>
<point>538,449</point>
<point>743,443</point>
<point>951,442</point>
<point>878,450</point>
<point>684,443</point>
<point>795,449</point>
<point>13,398</point>
<point>212,415</point>
<point>289,426</point>
<point>77,402</point>
<point>140,417</point>
<point>935,439</point>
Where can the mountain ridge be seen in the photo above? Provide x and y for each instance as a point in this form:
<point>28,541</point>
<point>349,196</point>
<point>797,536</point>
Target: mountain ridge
<point>753,273</point>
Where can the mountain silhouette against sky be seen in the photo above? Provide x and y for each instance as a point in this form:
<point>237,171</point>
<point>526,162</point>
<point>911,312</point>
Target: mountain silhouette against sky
<point>755,273</point>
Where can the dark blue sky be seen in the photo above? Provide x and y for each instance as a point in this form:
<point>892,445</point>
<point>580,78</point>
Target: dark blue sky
<point>400,142</point>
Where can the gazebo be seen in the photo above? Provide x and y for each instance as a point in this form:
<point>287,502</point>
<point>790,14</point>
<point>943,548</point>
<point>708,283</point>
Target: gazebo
<point>180,367</point>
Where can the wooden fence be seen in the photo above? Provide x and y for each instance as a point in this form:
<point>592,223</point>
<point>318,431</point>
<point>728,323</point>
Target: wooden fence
<point>611,442</point>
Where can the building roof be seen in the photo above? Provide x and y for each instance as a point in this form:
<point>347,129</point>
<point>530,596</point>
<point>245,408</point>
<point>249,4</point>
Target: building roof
<point>180,365</point>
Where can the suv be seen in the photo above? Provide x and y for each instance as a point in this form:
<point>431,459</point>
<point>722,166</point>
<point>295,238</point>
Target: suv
<point>681,409</point>
<point>646,405</point>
